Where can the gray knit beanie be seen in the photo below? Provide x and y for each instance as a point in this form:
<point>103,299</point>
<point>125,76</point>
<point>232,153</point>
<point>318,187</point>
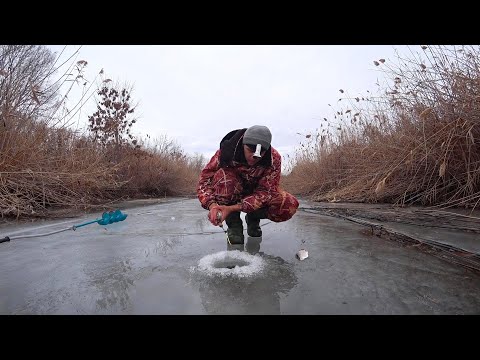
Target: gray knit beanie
<point>258,134</point>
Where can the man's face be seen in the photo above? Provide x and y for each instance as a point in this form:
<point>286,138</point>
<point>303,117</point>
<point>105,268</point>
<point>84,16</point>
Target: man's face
<point>249,150</point>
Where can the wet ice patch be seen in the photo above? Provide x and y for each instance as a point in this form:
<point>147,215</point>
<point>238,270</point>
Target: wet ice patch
<point>230,263</point>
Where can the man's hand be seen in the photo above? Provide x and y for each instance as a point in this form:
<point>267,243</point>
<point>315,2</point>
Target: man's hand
<point>212,214</point>
<point>225,209</point>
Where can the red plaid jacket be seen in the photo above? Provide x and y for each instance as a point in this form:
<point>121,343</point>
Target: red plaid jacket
<point>259,181</point>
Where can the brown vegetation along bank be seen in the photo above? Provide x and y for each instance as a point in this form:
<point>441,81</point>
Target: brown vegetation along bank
<point>46,164</point>
<point>416,143</point>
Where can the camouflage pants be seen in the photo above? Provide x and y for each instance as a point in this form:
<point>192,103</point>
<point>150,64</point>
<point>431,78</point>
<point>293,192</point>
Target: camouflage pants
<point>229,190</point>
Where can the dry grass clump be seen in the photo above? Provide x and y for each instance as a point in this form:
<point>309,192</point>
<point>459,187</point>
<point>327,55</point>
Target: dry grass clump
<point>159,169</point>
<point>41,167</point>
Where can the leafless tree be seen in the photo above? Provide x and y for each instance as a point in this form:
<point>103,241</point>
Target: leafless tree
<point>24,82</point>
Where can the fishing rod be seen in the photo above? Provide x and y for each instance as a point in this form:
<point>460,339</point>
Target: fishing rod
<point>107,218</point>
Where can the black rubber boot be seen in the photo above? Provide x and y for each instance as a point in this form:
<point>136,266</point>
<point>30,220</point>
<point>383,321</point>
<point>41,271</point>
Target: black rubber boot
<point>253,222</point>
<point>253,244</point>
<point>235,228</point>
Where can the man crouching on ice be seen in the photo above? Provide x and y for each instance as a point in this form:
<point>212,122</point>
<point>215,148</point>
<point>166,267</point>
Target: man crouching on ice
<point>244,175</point>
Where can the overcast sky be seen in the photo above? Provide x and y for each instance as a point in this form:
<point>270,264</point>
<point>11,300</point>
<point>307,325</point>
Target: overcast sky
<point>196,94</point>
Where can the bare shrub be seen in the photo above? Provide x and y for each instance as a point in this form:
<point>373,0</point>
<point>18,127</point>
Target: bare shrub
<point>112,122</point>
